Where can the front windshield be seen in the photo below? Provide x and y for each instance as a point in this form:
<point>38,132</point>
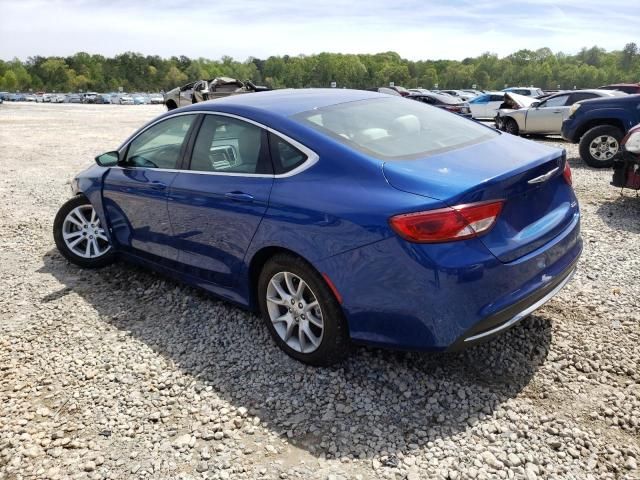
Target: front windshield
<point>395,128</point>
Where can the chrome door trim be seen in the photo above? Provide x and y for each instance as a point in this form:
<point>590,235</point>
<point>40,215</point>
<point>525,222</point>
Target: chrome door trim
<point>312,157</point>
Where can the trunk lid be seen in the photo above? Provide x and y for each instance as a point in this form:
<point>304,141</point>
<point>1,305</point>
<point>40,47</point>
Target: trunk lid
<point>539,203</point>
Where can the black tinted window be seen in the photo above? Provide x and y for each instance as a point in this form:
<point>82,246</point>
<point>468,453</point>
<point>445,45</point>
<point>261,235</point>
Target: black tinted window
<point>285,156</point>
<point>228,145</point>
<point>576,97</point>
<point>160,145</point>
<point>496,98</point>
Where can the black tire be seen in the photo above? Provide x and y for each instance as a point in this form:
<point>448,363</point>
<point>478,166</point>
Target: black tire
<point>510,126</point>
<point>335,344</point>
<point>58,225</point>
<point>593,134</point>
<point>171,105</point>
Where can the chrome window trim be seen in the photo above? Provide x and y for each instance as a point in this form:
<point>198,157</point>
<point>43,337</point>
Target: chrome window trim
<point>312,157</point>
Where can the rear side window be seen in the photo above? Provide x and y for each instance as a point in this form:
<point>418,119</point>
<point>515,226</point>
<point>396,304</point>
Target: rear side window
<point>395,128</point>
<point>285,156</point>
<point>496,98</point>
<point>576,97</point>
<point>228,145</point>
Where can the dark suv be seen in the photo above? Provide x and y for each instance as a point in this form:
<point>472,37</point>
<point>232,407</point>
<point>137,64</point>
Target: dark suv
<point>599,125</point>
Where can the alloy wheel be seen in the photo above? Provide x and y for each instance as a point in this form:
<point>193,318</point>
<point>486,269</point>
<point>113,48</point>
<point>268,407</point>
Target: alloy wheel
<point>295,312</point>
<point>82,233</point>
<point>603,147</point>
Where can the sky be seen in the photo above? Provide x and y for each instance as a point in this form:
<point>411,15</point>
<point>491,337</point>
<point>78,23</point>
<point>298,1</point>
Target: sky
<point>416,29</point>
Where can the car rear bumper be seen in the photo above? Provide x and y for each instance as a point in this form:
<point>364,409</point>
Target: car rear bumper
<point>495,324</point>
<point>442,297</point>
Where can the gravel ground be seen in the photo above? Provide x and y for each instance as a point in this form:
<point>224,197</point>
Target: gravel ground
<point>120,373</point>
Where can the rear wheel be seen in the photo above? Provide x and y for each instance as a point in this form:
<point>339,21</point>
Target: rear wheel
<point>79,236</point>
<point>301,312</point>
<point>599,145</point>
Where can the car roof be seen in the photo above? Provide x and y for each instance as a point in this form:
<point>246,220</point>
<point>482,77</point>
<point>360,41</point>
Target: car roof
<point>288,101</point>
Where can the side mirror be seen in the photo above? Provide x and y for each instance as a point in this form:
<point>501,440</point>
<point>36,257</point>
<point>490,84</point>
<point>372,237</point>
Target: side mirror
<point>109,159</point>
<point>534,105</point>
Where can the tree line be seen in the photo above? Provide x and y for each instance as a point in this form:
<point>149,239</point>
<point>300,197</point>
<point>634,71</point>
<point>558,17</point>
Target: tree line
<point>590,67</point>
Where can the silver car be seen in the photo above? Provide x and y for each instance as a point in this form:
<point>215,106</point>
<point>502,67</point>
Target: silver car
<point>202,90</point>
<point>543,117</point>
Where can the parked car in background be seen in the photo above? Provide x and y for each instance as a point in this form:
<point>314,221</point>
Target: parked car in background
<point>445,102</point>
<point>630,88</point>
<point>386,90</point>
<point>102,98</point>
<point>626,164</point>
<point>58,98</point>
<point>4,95</point>
<point>140,99</point>
<point>486,105</point>
<point>202,90</point>
<point>74,98</point>
<point>473,92</point>
<point>454,250</point>
<point>401,90</point>
<point>461,94</point>
<point>599,125</point>
<point>125,99</point>
<point>542,117</point>
<point>89,97</point>
<point>156,99</point>
<point>30,98</point>
<point>525,91</point>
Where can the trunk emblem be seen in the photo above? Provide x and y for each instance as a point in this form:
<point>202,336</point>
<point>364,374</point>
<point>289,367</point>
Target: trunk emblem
<point>545,177</point>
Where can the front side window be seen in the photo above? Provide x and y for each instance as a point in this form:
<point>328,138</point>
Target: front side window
<point>160,145</point>
<point>228,145</point>
<point>395,128</point>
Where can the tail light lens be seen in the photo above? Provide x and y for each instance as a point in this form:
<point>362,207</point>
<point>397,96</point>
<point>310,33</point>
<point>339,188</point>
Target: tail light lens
<point>566,173</point>
<point>447,224</point>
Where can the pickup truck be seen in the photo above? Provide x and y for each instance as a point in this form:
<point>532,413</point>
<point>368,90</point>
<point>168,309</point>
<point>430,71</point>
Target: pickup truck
<point>599,125</point>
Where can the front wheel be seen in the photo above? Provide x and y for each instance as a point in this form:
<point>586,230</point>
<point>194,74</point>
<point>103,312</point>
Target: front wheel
<point>599,145</point>
<point>301,312</point>
<point>510,126</point>
<point>79,236</point>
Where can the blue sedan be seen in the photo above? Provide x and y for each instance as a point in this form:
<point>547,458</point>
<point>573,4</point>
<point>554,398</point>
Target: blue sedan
<point>341,216</point>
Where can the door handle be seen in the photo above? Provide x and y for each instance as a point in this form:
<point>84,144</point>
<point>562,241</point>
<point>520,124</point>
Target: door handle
<point>239,196</point>
<point>557,111</point>
<point>155,185</point>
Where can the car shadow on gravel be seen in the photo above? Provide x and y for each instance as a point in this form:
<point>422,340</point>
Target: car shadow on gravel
<point>623,213</point>
<point>377,404</point>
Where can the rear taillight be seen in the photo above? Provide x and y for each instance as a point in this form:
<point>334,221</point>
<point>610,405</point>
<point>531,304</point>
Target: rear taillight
<point>566,173</point>
<point>447,224</point>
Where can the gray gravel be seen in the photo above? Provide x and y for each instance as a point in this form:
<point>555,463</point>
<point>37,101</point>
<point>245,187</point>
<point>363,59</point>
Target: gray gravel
<point>121,373</point>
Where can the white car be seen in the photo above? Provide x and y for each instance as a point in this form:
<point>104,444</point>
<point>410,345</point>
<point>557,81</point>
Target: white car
<point>486,105</point>
<point>126,100</point>
<point>525,91</point>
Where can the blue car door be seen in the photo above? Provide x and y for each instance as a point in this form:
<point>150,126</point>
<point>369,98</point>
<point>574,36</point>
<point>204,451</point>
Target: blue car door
<point>135,192</point>
<point>216,203</point>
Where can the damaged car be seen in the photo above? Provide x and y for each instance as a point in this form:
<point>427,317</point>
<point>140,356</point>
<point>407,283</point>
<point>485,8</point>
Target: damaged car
<point>203,90</point>
<point>520,115</point>
<point>626,164</point>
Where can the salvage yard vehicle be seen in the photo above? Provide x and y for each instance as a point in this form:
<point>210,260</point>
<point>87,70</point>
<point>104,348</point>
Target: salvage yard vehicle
<point>525,91</point>
<point>630,88</point>
<point>542,117</point>
<point>445,102</point>
<point>626,165</point>
<point>599,125</point>
<point>339,215</point>
<point>202,90</point>
<point>486,105</point>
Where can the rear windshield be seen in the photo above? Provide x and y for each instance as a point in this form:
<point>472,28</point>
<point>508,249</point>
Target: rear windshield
<point>395,128</point>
